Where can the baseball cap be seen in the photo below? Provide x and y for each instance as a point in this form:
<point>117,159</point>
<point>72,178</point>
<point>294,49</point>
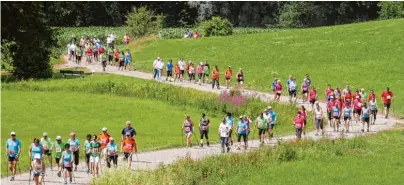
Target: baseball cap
<point>12,133</point>
<point>111,138</point>
<point>357,97</point>
<point>241,117</point>
<point>45,134</point>
<point>104,129</point>
<point>269,107</point>
<point>58,137</point>
<point>37,156</point>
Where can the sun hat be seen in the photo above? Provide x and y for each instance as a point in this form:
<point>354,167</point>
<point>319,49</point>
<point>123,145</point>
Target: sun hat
<point>58,137</point>
<point>37,156</point>
<point>104,129</point>
<point>72,133</point>
<point>45,134</point>
<point>12,133</point>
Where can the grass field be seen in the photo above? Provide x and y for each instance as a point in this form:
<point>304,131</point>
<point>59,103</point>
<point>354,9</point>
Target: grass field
<point>59,106</point>
<point>375,159</point>
<point>367,55</point>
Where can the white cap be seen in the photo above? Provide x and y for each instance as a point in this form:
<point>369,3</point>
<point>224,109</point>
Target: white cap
<point>104,129</point>
<point>58,137</point>
<point>128,122</point>
<point>111,139</point>
<point>241,117</point>
<point>158,58</point>
<point>269,107</point>
<point>12,133</point>
<point>357,97</point>
<point>45,134</point>
<point>37,156</point>
<point>201,63</point>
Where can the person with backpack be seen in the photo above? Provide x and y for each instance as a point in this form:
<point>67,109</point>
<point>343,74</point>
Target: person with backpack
<point>188,127</point>
<point>261,124</point>
<point>224,135</point>
<point>204,125</point>
<point>13,151</point>
<point>228,73</point>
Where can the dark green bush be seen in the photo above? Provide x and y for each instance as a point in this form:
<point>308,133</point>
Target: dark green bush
<point>216,27</point>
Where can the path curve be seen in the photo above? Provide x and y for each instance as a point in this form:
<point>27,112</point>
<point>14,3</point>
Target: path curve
<point>152,159</point>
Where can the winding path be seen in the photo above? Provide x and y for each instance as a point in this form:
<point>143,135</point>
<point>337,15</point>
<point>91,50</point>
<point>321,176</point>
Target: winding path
<point>152,159</point>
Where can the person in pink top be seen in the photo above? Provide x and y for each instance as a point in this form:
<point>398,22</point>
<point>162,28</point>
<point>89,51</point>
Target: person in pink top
<point>330,105</point>
<point>278,90</point>
<point>304,116</point>
<point>298,122</point>
<point>357,108</point>
<point>200,72</point>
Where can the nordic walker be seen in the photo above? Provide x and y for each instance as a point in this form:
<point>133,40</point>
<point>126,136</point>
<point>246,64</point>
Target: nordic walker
<point>13,151</point>
<point>365,117</point>
<point>261,124</point>
<point>87,151</point>
<point>242,132</point>
<point>230,123</point>
<point>298,122</point>
<point>75,148</point>
<point>103,138</point>
<point>387,96</point>
<point>128,130</point>
<point>95,156</point>
<point>215,78</point>
<point>228,75</point>
<point>224,134</point>
<point>38,169</point>
<point>271,123</point>
<point>67,163</point>
<point>336,112</point>
<point>240,78</point>
<point>35,150</point>
<point>47,146</point>
<point>278,91</point>
<point>305,90</point>
<point>188,127</point>
<point>312,96</point>
<point>373,111</point>
<point>347,116</point>
<point>292,90</point>
<point>357,108</point>
<point>112,153</point>
<point>318,118</point>
<point>128,146</point>
<point>204,125</point>
<point>59,146</point>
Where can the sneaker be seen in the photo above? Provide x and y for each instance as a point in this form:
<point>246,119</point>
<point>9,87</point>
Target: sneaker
<point>65,182</point>
<point>88,170</point>
<point>201,145</point>
<point>207,143</point>
<point>59,174</point>
<point>362,130</point>
<point>228,149</point>
<point>75,168</point>
<point>12,179</point>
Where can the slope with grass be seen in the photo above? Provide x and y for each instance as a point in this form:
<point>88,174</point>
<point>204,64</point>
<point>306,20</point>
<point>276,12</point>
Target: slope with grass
<point>375,159</point>
<point>367,55</point>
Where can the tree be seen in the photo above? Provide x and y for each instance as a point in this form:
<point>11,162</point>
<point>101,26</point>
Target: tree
<point>142,22</point>
<point>32,39</point>
<point>391,9</point>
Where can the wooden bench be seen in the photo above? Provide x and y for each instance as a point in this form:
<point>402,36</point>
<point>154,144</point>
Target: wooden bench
<point>72,73</point>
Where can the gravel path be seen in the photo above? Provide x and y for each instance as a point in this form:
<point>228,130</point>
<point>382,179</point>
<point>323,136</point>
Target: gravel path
<point>152,159</point>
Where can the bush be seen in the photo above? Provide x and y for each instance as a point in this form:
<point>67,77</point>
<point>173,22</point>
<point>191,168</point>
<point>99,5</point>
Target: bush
<point>216,27</point>
<point>143,22</point>
<point>391,10</point>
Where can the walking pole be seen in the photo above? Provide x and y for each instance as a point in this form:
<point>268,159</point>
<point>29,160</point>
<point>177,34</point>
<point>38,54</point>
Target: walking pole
<point>196,139</point>
<point>30,171</point>
<point>182,137</point>
<point>19,170</point>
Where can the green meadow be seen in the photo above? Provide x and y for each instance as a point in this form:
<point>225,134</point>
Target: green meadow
<point>157,111</point>
<point>367,55</point>
<point>374,159</point>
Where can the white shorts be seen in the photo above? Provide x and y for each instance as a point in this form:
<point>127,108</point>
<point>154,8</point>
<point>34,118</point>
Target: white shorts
<point>94,159</point>
<point>104,152</point>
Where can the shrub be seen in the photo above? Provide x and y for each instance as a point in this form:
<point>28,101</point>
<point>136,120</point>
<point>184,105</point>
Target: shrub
<point>143,22</point>
<point>216,27</point>
<point>391,10</point>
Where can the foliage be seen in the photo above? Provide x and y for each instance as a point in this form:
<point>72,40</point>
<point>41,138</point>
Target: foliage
<point>301,14</point>
<point>391,9</point>
<point>276,164</point>
<point>6,55</point>
<point>143,22</point>
<point>331,55</point>
<point>216,27</point>
<point>33,39</point>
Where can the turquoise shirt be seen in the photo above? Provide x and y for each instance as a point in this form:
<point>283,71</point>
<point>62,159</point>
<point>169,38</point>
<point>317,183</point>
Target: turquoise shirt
<point>13,147</point>
<point>112,149</point>
<point>74,145</point>
<point>67,158</point>
<point>347,112</point>
<point>273,117</point>
<point>242,127</point>
<point>87,146</point>
<point>36,150</point>
<point>230,121</point>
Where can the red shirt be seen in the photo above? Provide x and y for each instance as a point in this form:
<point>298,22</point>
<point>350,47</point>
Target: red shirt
<point>313,94</point>
<point>387,96</point>
<point>328,91</point>
<point>357,104</point>
<point>298,121</point>
<point>330,105</point>
<point>371,97</point>
<point>348,97</point>
<point>339,104</point>
<point>357,94</point>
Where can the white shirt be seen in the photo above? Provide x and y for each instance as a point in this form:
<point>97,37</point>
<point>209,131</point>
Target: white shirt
<point>292,85</point>
<point>73,47</point>
<point>181,64</point>
<point>112,37</point>
<point>160,65</point>
<point>109,40</point>
<point>224,130</point>
<point>267,117</point>
<point>155,64</point>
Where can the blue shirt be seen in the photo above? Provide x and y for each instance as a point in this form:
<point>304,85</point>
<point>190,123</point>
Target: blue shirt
<point>67,157</point>
<point>230,121</point>
<point>274,84</point>
<point>242,127</point>
<point>273,117</point>
<point>36,150</point>
<point>74,145</point>
<point>13,147</point>
<point>169,67</point>
<point>130,130</point>
<point>112,148</point>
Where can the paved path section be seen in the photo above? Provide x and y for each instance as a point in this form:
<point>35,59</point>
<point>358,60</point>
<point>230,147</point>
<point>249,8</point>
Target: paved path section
<point>152,159</point>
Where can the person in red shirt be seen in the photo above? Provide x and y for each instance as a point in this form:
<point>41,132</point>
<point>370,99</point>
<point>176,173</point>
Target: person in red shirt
<point>312,96</point>
<point>278,90</point>
<point>348,97</point>
<point>357,108</point>
<point>387,96</point>
<point>298,122</point>
<point>330,105</point>
<point>128,147</point>
<point>328,92</point>
<point>372,96</point>
<point>357,94</point>
<point>116,56</point>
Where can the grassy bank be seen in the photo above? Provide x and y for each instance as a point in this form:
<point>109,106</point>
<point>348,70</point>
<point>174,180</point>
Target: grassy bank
<point>367,55</point>
<point>375,159</point>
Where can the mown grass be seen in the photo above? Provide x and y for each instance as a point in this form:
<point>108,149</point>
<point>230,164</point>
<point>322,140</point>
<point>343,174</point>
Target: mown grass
<point>367,55</point>
<point>58,106</point>
<point>375,159</point>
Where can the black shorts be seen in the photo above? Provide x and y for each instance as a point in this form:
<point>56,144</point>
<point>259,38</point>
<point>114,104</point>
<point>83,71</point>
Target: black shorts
<point>312,102</point>
<point>374,112</point>
<point>48,152</point>
<point>278,94</point>
<point>356,111</point>
<point>261,131</point>
<point>292,93</point>
<point>336,117</point>
<point>240,80</point>
<point>304,92</point>
<point>11,159</point>
<point>127,155</point>
<point>204,133</point>
<point>121,63</point>
<point>57,160</point>
<point>110,57</point>
<point>104,63</point>
<point>366,119</point>
<point>227,78</point>
<point>87,158</point>
<point>69,169</point>
<point>347,118</point>
<point>200,75</point>
<point>387,105</point>
<point>79,58</point>
<point>299,132</point>
<point>205,74</point>
<point>169,73</point>
<point>241,135</point>
<point>182,72</point>
<point>329,115</point>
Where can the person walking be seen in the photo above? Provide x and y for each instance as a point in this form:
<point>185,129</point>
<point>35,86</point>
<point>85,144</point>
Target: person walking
<point>38,169</point>
<point>318,117</point>
<point>298,123</point>
<point>242,132</point>
<point>182,64</point>
<point>228,74</point>
<point>204,125</point>
<point>262,124</point>
<point>357,108</point>
<point>373,110</point>
<point>160,67</point>
<point>312,96</point>
<point>206,72</point>
<point>74,144</point>
<point>128,60</point>
<point>112,153</point>
<point>215,78</point>
<point>387,97</point>
<point>155,69</point>
<point>224,135</point>
<point>188,127</point>
<point>128,130</point>
<point>104,138</point>
<point>230,123</point>
<point>365,117</point>
<point>271,123</point>
<point>169,68</point>
<point>240,78</point>
<point>347,111</point>
<point>87,151</point>
<point>13,151</point>
<point>47,146</point>
<point>292,86</point>
<point>200,73</point>
<point>95,156</point>
<point>278,91</point>
<point>191,72</point>
<point>128,146</point>
<point>59,146</point>
<point>67,163</point>
<point>35,150</point>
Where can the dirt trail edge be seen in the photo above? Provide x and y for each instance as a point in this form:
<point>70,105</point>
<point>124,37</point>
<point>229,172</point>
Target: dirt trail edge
<point>152,159</point>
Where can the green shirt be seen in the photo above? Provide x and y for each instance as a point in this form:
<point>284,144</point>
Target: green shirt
<point>79,52</point>
<point>46,144</point>
<point>59,148</point>
<point>121,56</point>
<point>95,149</point>
<point>87,146</point>
<point>262,123</point>
<point>103,57</point>
<point>364,96</point>
<point>110,51</point>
